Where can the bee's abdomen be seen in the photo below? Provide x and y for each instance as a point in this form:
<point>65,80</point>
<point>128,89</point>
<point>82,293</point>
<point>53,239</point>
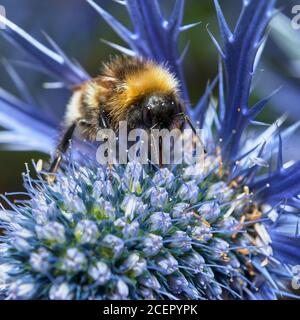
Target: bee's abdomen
<point>74,108</point>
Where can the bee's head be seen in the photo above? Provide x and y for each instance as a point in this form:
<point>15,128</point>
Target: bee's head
<point>158,111</point>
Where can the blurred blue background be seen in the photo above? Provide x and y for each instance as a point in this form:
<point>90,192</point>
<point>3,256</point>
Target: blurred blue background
<point>77,28</point>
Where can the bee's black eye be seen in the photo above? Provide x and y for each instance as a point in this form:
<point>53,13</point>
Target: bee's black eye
<point>175,106</point>
<point>147,116</point>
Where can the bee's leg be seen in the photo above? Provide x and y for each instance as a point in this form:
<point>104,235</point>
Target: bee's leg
<point>160,150</point>
<point>104,120</point>
<point>157,153</point>
<point>105,125</point>
<point>61,149</point>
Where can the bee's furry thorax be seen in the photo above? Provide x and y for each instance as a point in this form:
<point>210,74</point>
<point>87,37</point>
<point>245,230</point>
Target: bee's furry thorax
<point>133,79</point>
<point>140,92</point>
<point>123,82</point>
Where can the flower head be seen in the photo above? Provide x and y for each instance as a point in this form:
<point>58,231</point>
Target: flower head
<point>193,250</point>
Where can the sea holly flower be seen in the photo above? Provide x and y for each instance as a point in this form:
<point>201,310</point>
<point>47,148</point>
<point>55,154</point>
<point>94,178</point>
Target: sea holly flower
<point>164,178</point>
<point>133,232</point>
<point>74,261</point>
<point>39,260</point>
<point>22,289</point>
<point>180,240</point>
<point>189,191</point>
<point>100,272</point>
<point>60,292</point>
<point>86,232</point>
<point>210,211</point>
<point>171,254</point>
<point>158,197</point>
<point>112,245</point>
<point>52,231</point>
<point>152,244</point>
<point>133,206</point>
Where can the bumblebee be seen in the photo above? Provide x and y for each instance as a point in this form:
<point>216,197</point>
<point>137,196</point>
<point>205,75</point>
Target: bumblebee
<point>133,89</point>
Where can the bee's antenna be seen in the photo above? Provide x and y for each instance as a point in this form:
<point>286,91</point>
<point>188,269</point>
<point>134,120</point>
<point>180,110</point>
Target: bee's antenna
<point>153,127</point>
<point>189,121</point>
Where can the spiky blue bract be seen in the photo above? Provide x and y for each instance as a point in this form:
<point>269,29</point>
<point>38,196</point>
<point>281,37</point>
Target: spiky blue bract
<point>149,24</point>
<point>153,36</point>
<point>22,121</point>
<point>133,233</point>
<point>239,51</point>
<point>53,62</point>
<point>30,127</point>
